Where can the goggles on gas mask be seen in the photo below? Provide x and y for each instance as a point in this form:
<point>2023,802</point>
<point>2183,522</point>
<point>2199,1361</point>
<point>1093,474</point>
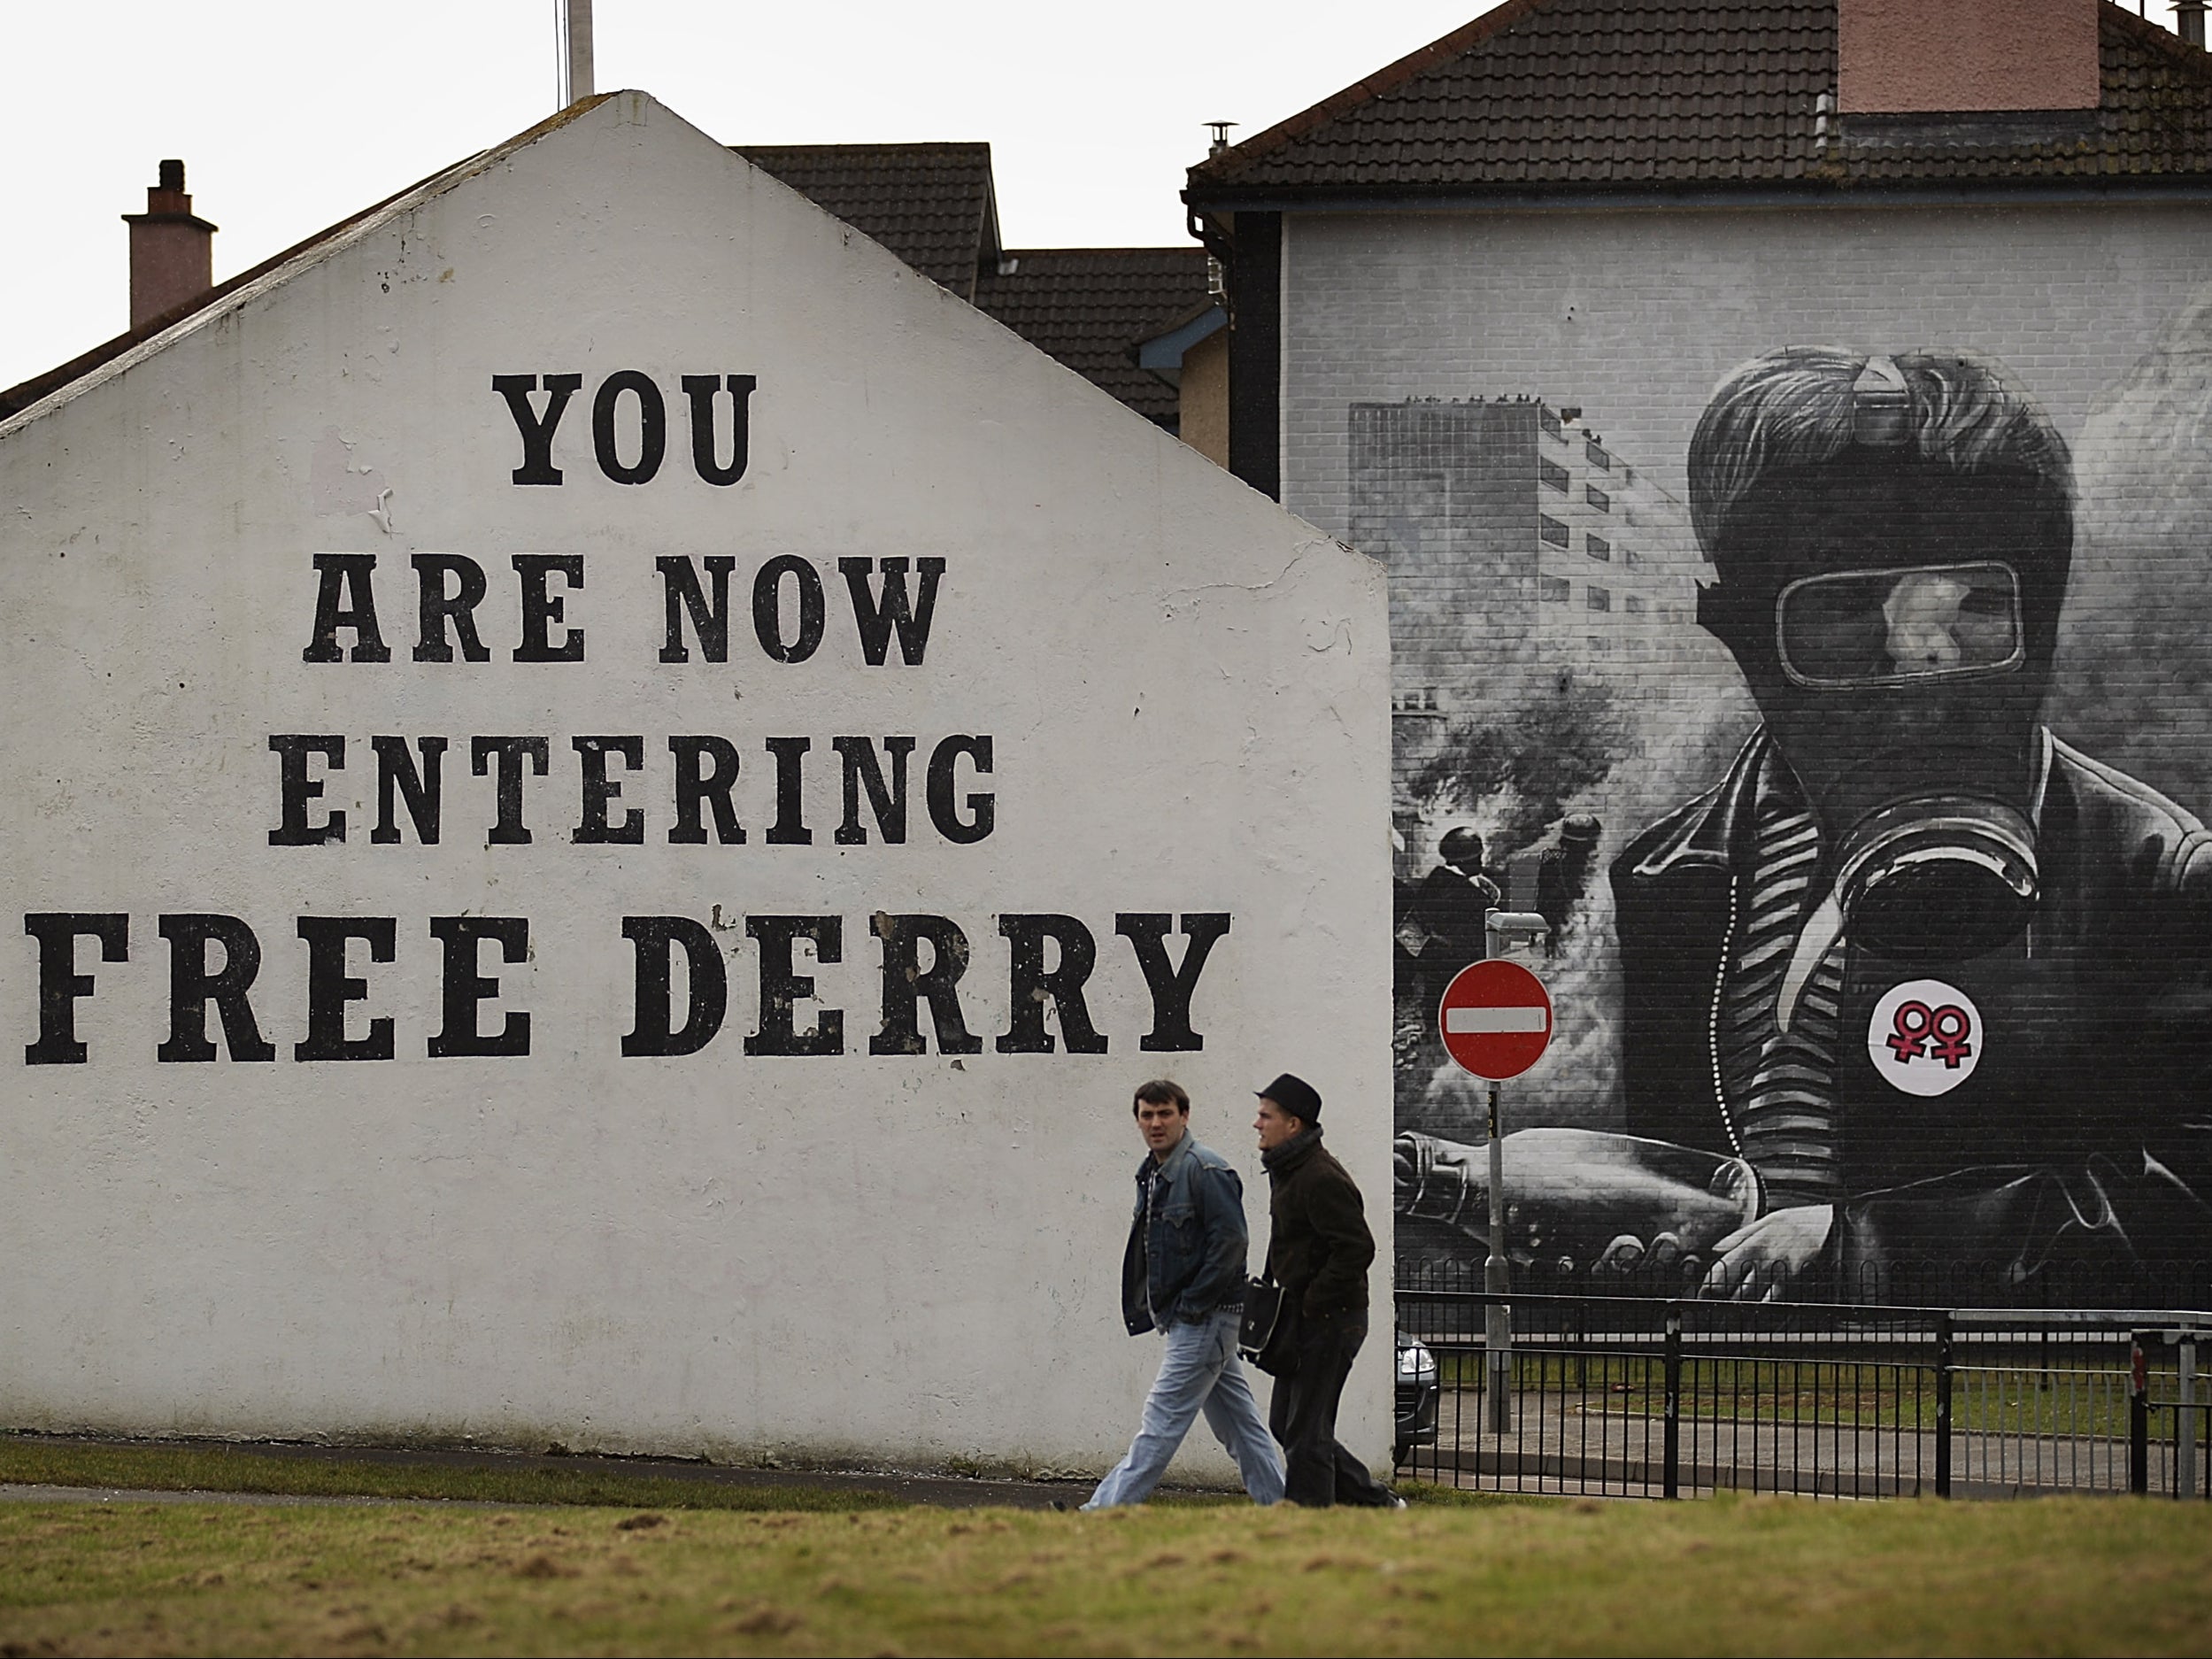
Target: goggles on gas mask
<point>1868,628</point>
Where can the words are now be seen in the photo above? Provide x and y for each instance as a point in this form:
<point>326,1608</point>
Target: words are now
<point>788,607</point>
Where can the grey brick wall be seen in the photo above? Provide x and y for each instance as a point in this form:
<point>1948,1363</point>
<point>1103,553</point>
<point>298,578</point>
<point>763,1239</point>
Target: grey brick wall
<point>1634,315</point>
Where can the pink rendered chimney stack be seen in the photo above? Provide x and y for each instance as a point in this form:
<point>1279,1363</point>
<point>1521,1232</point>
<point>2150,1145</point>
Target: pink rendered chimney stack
<point>172,251</point>
<point>1929,57</point>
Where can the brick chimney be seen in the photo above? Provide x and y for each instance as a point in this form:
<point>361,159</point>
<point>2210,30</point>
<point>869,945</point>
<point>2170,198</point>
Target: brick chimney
<point>172,251</point>
<point>1929,57</point>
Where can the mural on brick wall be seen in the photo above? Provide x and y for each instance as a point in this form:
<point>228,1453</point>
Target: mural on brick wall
<point>1847,790</point>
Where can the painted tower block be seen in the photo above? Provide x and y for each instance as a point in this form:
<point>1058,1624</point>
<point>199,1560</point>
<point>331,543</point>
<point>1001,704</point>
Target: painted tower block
<point>612,793</point>
<point>1520,549</point>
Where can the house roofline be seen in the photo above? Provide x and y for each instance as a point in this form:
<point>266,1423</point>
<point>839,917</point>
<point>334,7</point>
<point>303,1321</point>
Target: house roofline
<point>2059,192</point>
<point>1164,347</point>
<point>1367,88</point>
<point>1212,183</point>
<point>1180,250</point>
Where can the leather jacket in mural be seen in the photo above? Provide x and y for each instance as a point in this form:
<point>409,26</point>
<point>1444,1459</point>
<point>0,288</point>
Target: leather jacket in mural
<point>2082,1138</point>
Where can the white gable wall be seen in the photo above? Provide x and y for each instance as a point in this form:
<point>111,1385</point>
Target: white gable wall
<point>904,1256</point>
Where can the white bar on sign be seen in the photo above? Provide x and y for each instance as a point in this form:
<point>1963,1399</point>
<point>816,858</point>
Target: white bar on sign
<point>1478,1022</point>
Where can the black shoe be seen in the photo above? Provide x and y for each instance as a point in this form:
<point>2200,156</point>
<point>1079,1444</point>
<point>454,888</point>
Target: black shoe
<point>1060,1504</point>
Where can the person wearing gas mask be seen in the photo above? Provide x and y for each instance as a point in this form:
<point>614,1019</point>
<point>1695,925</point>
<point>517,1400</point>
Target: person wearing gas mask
<point>1917,985</point>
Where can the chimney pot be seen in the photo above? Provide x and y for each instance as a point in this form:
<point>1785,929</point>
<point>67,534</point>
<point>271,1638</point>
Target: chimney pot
<point>172,250</point>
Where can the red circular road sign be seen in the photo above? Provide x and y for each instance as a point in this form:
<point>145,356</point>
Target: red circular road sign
<point>1496,1018</point>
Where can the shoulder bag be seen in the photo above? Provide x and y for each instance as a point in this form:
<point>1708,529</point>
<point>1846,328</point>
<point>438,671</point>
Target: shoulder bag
<point>1266,1337</point>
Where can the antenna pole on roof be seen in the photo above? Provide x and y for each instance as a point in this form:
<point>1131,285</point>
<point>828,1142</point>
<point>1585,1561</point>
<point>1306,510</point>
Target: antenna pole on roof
<point>572,29</point>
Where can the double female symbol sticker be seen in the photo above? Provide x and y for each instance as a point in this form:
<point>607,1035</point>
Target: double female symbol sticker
<point>1926,1037</point>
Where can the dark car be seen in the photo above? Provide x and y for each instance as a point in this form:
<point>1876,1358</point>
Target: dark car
<point>1417,1396</point>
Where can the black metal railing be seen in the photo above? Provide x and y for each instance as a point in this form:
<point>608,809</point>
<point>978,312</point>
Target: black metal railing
<point>1947,1282</point>
<point>1656,1397</point>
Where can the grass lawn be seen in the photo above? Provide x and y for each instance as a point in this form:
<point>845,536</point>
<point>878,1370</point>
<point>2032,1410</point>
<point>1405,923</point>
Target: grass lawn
<point>1723,1575</point>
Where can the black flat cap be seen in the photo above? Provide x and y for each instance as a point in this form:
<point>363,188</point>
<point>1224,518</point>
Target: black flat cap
<point>1295,1096</point>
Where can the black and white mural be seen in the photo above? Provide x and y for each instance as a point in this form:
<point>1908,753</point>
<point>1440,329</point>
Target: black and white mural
<point>1858,786</point>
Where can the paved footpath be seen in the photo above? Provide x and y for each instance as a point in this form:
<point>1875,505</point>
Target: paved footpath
<point>939,1490</point>
<point>22,1492</point>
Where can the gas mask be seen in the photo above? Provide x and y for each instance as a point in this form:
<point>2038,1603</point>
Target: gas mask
<point>1895,619</point>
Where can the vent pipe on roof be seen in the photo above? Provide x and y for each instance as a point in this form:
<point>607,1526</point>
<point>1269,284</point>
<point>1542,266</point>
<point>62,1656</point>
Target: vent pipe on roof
<point>172,251</point>
<point>2189,21</point>
<point>573,26</point>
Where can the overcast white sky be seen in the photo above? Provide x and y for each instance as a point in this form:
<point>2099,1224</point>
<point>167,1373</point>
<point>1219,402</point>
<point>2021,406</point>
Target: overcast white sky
<point>290,114</point>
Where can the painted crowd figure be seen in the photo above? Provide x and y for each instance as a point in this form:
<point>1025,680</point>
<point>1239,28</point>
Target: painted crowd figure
<point>1453,907</point>
<point>1915,983</point>
<point>1563,873</point>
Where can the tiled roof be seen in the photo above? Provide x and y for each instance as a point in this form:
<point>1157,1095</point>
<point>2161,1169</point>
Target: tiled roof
<point>931,205</point>
<point>1618,95</point>
<point>1089,307</point>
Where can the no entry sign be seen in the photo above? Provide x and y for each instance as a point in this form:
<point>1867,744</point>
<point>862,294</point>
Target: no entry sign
<point>1496,1018</point>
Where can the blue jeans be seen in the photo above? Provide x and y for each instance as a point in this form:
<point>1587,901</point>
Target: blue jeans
<point>1198,1372</point>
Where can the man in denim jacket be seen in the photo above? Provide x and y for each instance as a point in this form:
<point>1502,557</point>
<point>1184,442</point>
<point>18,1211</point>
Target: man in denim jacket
<point>1183,1275</point>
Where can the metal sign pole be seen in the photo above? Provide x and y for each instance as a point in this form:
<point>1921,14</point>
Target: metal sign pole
<point>1497,1317</point>
<point>1495,1017</point>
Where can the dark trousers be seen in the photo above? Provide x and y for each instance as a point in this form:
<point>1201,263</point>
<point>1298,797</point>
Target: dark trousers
<point>1303,1417</point>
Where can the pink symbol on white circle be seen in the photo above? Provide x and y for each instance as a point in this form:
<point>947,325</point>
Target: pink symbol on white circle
<point>1926,1037</point>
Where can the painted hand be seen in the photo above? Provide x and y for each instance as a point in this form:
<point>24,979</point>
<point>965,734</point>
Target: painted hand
<point>1758,1262</point>
<point>1581,1198</point>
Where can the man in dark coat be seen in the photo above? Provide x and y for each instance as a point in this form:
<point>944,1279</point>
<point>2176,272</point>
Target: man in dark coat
<point>1319,1250</point>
